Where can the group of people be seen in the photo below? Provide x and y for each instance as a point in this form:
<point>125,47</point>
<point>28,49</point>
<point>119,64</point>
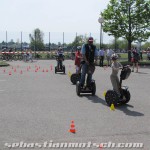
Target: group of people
<point>105,52</point>
<point>27,56</point>
<point>85,59</point>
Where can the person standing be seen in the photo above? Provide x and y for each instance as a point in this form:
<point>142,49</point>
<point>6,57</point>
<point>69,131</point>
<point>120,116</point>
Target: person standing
<point>109,53</point>
<point>78,59</point>
<point>101,57</point>
<point>114,75</point>
<point>89,54</point>
<point>135,60</point>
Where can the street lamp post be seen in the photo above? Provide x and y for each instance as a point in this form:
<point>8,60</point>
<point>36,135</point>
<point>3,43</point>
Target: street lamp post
<point>100,20</point>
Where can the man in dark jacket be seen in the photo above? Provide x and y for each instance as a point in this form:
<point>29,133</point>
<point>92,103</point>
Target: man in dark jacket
<point>89,54</point>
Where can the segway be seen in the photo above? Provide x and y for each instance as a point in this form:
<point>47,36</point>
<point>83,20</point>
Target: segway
<point>112,96</point>
<point>76,76</point>
<point>84,89</point>
<point>60,67</point>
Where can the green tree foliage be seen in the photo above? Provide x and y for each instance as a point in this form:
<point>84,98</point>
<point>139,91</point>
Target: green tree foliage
<point>146,45</point>
<point>36,40</point>
<point>128,19</point>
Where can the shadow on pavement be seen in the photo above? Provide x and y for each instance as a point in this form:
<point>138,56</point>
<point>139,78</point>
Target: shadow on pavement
<point>124,108</point>
<point>95,99</point>
<point>142,73</point>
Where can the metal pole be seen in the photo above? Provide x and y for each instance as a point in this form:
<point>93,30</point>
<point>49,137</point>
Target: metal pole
<point>49,41</point>
<point>6,39</point>
<point>101,36</point>
<point>115,43</point>
<point>35,44</point>
<point>21,40</point>
<point>63,41</point>
<point>76,40</point>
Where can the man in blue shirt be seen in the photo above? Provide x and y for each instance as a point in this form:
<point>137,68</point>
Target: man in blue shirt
<point>89,54</point>
<point>101,57</point>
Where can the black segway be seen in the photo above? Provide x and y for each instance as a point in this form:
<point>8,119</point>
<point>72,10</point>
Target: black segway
<point>112,97</point>
<point>84,89</point>
<point>76,76</point>
<point>60,67</point>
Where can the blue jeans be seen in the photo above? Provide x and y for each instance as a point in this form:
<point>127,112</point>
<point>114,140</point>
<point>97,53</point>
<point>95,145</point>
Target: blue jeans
<point>83,74</point>
<point>59,64</point>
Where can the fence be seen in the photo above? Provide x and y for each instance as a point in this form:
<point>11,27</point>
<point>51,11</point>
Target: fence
<point>21,40</point>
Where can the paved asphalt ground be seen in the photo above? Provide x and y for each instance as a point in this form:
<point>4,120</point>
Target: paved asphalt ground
<point>39,106</point>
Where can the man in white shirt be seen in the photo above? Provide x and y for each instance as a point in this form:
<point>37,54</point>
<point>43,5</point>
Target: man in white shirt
<point>101,57</point>
<point>109,53</point>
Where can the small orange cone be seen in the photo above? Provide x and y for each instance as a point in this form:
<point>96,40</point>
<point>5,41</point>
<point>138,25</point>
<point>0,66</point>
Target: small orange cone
<point>15,70</point>
<point>43,70</point>
<point>4,70</point>
<point>51,67</point>
<point>101,146</point>
<point>9,72</point>
<point>21,72</point>
<point>72,127</point>
<point>46,70</point>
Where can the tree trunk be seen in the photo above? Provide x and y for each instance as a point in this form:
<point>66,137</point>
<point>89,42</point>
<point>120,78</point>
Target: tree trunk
<point>129,50</point>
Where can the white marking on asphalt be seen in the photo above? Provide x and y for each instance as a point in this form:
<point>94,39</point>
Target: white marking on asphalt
<point>1,90</point>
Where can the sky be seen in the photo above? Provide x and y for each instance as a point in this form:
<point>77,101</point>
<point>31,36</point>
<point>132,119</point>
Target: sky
<point>55,16</point>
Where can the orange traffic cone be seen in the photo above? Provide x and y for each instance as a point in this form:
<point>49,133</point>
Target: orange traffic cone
<point>51,67</point>
<point>43,70</point>
<point>21,72</point>
<point>101,146</point>
<point>72,127</point>
<point>46,70</point>
<point>9,72</point>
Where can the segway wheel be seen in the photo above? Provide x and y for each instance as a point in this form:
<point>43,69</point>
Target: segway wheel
<point>74,78</point>
<point>78,88</point>
<point>127,95</point>
<point>93,88</point>
<point>55,70</point>
<point>111,97</point>
<point>64,69</point>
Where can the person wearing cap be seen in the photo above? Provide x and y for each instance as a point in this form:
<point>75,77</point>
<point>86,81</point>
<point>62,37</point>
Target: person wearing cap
<point>78,58</point>
<point>114,75</point>
<point>89,54</point>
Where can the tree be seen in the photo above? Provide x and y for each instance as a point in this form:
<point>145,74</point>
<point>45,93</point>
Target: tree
<point>128,19</point>
<point>36,40</point>
<point>145,45</point>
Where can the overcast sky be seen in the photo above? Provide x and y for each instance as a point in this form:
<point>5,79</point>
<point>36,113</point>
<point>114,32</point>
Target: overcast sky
<point>69,16</point>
